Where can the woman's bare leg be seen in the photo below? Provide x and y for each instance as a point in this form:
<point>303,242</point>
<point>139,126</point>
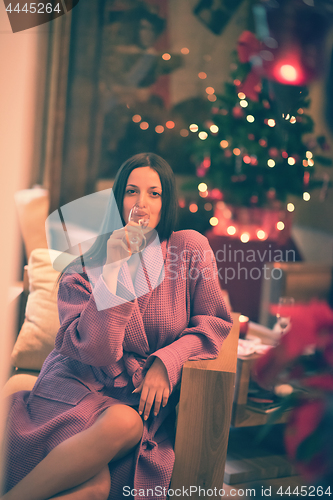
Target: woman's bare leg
<point>96,488</point>
<point>82,456</point>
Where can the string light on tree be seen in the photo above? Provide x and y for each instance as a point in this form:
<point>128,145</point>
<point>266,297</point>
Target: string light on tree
<point>202,187</point>
<point>261,235</point>
<point>213,221</point>
<point>231,230</point>
<point>306,196</point>
<point>245,237</point>
<point>170,124</point>
<point>290,207</point>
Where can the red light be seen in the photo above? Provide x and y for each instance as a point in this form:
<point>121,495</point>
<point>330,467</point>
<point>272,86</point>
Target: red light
<point>288,68</point>
<point>288,72</point>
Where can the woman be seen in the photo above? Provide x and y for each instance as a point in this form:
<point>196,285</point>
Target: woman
<point>128,323</point>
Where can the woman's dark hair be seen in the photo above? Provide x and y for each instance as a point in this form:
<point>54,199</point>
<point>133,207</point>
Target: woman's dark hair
<point>97,253</point>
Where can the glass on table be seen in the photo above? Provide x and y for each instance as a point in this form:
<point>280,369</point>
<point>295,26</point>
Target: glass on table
<point>283,321</point>
<point>134,240</point>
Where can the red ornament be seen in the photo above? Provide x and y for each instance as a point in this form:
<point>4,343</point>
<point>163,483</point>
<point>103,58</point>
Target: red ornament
<point>266,104</point>
<point>237,112</point>
<point>201,172</point>
<point>206,162</point>
<point>263,142</point>
<point>254,199</point>
<point>254,160</point>
<point>216,194</point>
<point>227,153</point>
<point>306,178</point>
<point>271,194</point>
<point>284,154</point>
<point>251,137</point>
<point>273,152</point>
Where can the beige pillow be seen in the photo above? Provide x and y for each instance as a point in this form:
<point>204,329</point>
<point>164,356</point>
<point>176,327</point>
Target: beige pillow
<point>36,338</point>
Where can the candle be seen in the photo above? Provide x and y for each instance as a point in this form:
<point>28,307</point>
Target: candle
<point>243,325</point>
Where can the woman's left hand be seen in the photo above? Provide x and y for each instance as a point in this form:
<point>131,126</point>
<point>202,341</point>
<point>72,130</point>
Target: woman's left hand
<point>154,387</point>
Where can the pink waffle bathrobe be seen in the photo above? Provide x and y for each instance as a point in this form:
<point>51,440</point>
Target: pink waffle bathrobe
<point>174,310</point>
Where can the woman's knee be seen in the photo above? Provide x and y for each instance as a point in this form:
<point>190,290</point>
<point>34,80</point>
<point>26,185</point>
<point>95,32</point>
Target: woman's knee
<point>125,421</point>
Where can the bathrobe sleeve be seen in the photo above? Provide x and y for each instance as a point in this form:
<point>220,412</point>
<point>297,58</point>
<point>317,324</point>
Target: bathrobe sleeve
<point>210,321</point>
<point>94,337</point>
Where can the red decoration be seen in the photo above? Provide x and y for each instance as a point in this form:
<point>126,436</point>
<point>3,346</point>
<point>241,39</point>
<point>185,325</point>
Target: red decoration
<point>311,327</point>
<point>249,47</point>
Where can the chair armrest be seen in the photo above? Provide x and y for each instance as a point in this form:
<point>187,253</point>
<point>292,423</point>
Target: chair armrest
<point>204,415</point>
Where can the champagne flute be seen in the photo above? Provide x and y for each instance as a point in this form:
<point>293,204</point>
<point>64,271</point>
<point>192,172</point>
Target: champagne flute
<point>135,242</point>
<point>282,320</point>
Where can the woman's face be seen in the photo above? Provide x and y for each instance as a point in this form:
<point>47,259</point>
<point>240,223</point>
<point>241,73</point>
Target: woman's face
<point>144,187</point>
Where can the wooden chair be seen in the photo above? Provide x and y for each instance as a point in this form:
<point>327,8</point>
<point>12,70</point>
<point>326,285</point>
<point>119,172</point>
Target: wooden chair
<point>204,415</point>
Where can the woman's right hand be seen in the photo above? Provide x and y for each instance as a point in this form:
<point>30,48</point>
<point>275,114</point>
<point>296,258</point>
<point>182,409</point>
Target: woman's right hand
<point>117,250</point>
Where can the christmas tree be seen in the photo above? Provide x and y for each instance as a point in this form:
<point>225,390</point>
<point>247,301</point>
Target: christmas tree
<point>255,149</point>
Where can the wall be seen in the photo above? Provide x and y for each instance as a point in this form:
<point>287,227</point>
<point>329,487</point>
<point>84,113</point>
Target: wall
<point>19,55</point>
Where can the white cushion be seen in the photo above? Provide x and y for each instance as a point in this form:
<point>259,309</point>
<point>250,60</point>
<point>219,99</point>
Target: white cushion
<point>36,338</point>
